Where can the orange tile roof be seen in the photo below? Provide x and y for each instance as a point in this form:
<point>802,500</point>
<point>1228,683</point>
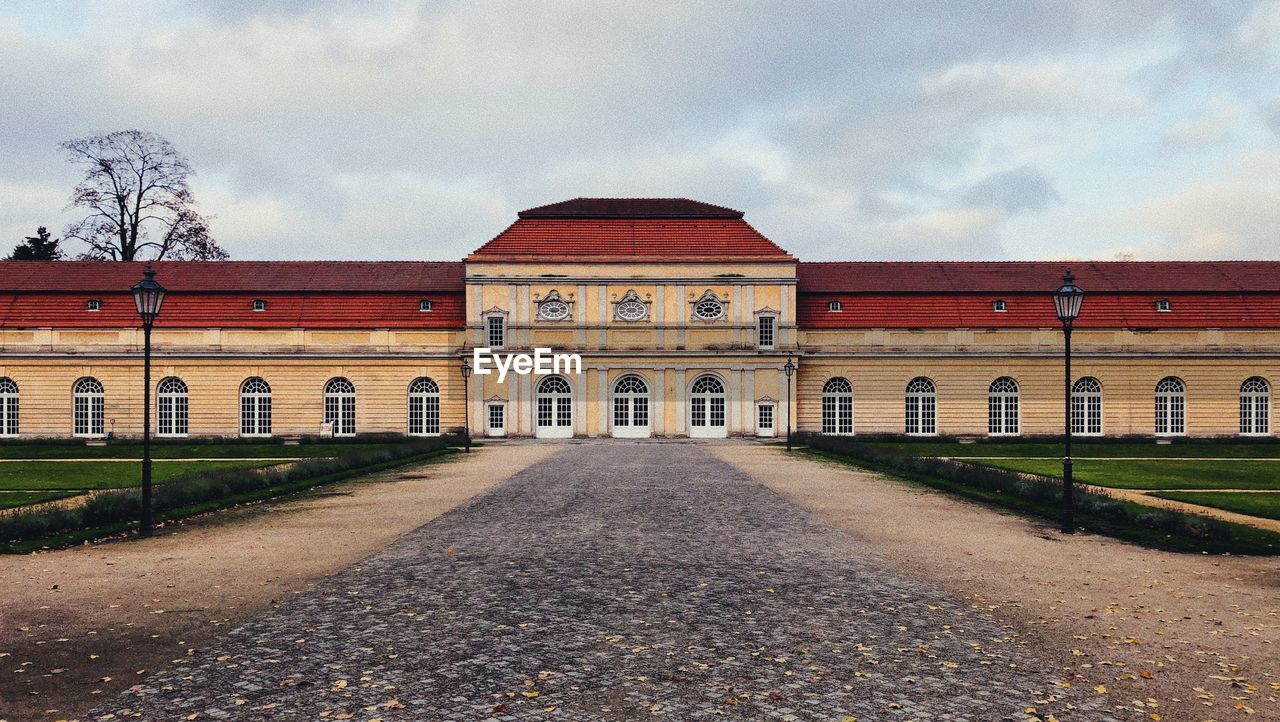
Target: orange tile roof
<point>690,240</point>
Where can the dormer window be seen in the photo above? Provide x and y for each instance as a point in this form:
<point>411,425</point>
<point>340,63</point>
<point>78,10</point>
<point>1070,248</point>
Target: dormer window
<point>424,306</point>
<point>1163,305</point>
<point>259,304</point>
<point>998,306</point>
<point>93,304</point>
<point>834,307</point>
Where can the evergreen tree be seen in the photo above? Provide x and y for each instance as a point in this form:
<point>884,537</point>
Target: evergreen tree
<point>39,247</point>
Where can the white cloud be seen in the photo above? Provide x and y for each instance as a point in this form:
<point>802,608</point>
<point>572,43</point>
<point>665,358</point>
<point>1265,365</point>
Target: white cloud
<point>1234,216</point>
<point>416,130</point>
<point>1213,127</point>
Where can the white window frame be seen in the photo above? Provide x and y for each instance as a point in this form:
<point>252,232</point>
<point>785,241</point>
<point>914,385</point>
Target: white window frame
<point>93,305</point>
<point>259,305</point>
<point>1171,407</point>
<point>10,418</point>
<point>921,407</point>
<point>554,300</point>
<point>490,407</point>
<point>837,407</point>
<point>835,307</point>
<point>1004,412</point>
<point>708,404</point>
<point>766,407</point>
<point>500,319</point>
<point>1086,407</point>
<point>88,408</point>
<point>999,306</point>
<point>424,306</point>
<point>1164,305</point>
<point>707,298</point>
<point>173,416</point>
<point>1255,407</point>
<point>423,407</point>
<point>766,325</point>
<point>340,406</point>
<point>631,299</point>
<point>255,407</point>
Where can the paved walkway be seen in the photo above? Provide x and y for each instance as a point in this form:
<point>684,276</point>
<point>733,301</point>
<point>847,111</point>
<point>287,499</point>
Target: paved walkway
<point>616,581</point>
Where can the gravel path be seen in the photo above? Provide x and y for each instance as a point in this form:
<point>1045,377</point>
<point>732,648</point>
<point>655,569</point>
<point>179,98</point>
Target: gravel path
<point>616,581</point>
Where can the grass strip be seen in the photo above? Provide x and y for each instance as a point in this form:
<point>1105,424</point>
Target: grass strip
<point>112,512</point>
<point>1257,503</point>
<point>1042,497</point>
<point>1100,448</point>
<point>88,475</point>
<point>14,499</point>
<point>1145,474</point>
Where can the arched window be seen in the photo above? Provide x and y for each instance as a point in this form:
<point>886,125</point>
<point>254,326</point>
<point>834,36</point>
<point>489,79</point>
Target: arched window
<point>707,407</point>
<point>1171,407</point>
<point>553,401</point>
<point>630,406</point>
<point>8,407</point>
<point>340,406</point>
<point>86,407</point>
<point>1086,407</point>
<point>255,407</point>
<point>837,406</point>
<point>922,407</point>
<point>1002,407</point>
<point>1255,407</point>
<point>424,407</point>
<point>171,407</point>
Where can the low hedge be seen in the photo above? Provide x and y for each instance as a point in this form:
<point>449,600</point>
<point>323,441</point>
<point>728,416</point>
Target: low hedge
<point>121,508</point>
<point>1042,496</point>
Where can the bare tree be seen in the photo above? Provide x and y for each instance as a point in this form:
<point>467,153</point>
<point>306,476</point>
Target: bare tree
<point>141,208</point>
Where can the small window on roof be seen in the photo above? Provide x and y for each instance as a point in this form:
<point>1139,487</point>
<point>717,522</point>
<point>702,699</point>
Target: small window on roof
<point>998,306</point>
<point>92,304</point>
<point>834,307</point>
<point>424,305</point>
<point>259,304</point>
<point>1164,306</point>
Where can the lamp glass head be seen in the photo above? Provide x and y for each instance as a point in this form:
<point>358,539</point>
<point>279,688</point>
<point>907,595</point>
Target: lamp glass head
<point>1068,299</point>
<point>148,296</point>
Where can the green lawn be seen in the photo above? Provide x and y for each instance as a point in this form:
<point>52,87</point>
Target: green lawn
<point>1157,474</point>
<point>168,450</point>
<point>1085,449</point>
<point>11,499</point>
<point>69,475</point>
<point>1254,504</point>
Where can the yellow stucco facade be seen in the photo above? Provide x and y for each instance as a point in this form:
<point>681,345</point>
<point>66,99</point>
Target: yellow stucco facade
<point>671,346</point>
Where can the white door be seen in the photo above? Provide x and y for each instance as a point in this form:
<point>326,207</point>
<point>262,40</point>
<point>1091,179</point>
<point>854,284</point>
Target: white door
<point>554,409</point>
<point>631,408</point>
<point>497,420</point>
<point>706,409</point>
<point>766,419</point>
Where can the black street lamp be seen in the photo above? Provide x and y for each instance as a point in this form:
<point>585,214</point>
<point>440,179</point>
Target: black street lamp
<point>466,405</point>
<point>1067,301</point>
<point>148,296</point>
<point>789,368</point>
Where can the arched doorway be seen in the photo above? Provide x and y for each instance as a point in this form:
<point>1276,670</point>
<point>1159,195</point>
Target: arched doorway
<point>707,408</point>
<point>631,408</point>
<point>554,409</point>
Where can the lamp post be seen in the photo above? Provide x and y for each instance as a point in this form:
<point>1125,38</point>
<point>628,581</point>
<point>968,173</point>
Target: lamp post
<point>1067,301</point>
<point>466,406</point>
<point>789,368</point>
<point>148,296</point>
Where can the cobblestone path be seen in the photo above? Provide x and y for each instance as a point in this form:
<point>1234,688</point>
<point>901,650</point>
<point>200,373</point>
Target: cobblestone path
<point>627,581</point>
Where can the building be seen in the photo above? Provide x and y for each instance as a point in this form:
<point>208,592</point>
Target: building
<point>683,315</point>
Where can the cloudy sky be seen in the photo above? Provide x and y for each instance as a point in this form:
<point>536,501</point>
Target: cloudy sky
<point>850,130</point>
